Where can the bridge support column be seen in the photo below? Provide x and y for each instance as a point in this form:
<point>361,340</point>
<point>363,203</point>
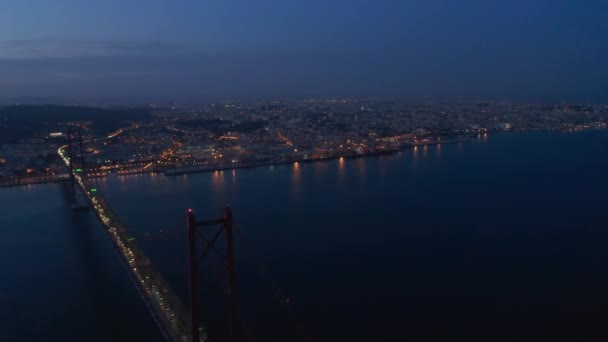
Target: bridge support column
<point>192,277</point>
<point>226,227</point>
<point>230,270</point>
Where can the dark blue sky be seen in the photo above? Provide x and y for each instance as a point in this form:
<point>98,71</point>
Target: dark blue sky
<point>534,50</point>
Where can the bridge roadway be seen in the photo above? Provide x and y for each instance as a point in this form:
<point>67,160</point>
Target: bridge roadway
<point>166,308</point>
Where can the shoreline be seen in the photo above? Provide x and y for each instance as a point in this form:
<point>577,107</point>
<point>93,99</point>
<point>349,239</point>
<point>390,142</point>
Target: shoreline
<point>193,170</point>
<point>365,155</point>
<point>169,173</point>
<point>34,181</point>
<point>311,160</point>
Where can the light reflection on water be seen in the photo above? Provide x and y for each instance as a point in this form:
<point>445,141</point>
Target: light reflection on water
<point>154,178</point>
<point>341,172</point>
<point>295,177</point>
<point>217,181</point>
<point>361,164</point>
<point>233,178</point>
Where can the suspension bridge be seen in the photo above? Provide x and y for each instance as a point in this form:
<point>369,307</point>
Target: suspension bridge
<point>176,322</point>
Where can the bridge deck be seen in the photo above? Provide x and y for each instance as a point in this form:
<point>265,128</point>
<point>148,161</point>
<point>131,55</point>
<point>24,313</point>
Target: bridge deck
<point>166,308</point>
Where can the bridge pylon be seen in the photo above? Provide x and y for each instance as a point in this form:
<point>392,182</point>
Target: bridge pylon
<point>209,232</point>
<point>77,164</point>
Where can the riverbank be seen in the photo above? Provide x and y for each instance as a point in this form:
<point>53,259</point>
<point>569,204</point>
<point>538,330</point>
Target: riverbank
<point>204,169</point>
<point>33,180</point>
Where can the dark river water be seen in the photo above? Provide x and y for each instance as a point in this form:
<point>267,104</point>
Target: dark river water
<point>500,239</point>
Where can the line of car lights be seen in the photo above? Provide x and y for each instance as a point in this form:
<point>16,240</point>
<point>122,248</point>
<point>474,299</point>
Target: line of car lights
<point>153,290</point>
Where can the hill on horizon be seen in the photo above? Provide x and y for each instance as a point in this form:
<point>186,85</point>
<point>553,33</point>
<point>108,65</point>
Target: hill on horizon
<point>27,121</point>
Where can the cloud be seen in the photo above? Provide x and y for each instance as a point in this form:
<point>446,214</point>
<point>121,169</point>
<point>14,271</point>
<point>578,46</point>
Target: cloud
<point>141,46</point>
<point>33,48</point>
<point>20,43</point>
